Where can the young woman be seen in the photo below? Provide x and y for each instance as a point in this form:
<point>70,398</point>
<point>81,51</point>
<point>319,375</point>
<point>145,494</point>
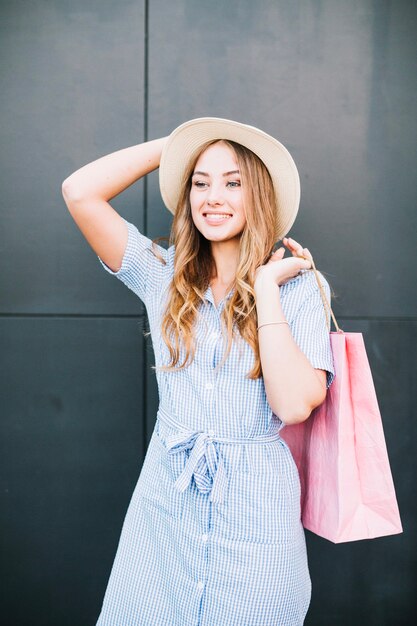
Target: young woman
<point>212,536</point>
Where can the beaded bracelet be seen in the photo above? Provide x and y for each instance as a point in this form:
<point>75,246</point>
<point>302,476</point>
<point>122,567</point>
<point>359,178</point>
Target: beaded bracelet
<point>271,323</point>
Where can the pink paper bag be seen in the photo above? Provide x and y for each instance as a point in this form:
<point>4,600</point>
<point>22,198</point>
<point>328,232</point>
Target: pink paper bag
<point>347,491</point>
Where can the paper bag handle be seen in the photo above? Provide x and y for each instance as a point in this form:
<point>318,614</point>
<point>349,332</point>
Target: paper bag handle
<point>326,303</point>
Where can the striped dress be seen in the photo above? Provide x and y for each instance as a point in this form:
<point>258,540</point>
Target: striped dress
<point>212,535</point>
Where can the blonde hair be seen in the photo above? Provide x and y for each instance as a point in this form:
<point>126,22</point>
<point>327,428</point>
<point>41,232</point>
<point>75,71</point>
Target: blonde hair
<point>194,264</point>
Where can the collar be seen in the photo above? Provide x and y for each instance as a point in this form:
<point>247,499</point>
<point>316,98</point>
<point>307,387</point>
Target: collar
<point>208,295</point>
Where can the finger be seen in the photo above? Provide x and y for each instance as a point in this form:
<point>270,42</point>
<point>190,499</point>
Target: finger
<point>295,247</point>
<point>278,254</point>
<point>303,253</point>
<point>307,254</point>
<point>288,242</point>
<point>305,264</point>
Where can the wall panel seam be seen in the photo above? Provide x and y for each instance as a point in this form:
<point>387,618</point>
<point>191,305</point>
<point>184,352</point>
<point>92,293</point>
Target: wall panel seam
<point>137,316</point>
<point>145,208</point>
<point>370,318</point>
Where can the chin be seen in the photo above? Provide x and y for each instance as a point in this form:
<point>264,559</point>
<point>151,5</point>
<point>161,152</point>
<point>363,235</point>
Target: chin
<point>225,237</point>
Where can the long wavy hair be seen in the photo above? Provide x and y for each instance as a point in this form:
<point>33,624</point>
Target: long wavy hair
<point>194,264</point>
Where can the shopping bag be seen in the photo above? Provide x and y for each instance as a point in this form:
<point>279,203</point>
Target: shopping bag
<point>347,491</point>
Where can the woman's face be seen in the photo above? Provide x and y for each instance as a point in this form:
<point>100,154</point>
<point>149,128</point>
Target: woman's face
<point>216,195</point>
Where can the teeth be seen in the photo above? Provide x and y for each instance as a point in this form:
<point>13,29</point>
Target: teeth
<point>217,216</point>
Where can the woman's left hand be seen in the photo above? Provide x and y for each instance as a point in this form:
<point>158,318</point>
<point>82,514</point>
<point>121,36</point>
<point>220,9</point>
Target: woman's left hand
<point>279,269</point>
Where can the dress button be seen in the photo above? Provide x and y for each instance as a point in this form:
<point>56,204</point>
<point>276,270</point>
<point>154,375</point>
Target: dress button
<point>210,433</point>
<point>204,538</point>
<point>200,585</point>
<point>209,386</point>
<point>214,336</point>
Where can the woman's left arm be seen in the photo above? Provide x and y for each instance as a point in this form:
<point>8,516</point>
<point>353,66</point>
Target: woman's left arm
<point>293,386</point>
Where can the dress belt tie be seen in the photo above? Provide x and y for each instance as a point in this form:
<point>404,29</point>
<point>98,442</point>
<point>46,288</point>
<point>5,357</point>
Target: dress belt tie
<point>205,462</point>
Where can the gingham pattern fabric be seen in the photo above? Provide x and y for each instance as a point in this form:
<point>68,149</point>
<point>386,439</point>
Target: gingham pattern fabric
<point>212,535</point>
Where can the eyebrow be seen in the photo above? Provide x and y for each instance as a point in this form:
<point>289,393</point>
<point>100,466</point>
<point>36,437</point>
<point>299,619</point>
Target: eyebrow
<point>207,175</point>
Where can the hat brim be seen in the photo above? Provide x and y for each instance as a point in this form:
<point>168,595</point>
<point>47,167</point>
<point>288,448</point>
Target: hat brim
<point>185,141</point>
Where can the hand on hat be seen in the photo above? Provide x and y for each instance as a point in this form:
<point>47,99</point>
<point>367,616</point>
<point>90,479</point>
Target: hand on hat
<point>279,269</point>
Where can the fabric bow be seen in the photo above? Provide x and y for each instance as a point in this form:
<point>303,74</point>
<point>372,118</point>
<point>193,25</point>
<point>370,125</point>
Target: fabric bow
<point>204,462</point>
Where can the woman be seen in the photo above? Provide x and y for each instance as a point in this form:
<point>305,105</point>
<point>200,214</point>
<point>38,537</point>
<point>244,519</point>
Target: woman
<point>213,535</point>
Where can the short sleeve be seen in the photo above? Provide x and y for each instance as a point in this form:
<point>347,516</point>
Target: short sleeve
<point>309,325</point>
<point>141,271</point>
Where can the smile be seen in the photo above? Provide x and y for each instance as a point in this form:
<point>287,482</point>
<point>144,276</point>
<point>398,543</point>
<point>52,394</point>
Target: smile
<point>216,218</point>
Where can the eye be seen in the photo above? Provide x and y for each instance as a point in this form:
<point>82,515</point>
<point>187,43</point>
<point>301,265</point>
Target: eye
<point>233,183</point>
<point>200,184</point>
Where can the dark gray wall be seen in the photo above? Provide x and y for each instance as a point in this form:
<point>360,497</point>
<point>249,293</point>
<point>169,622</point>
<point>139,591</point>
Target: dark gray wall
<point>336,82</point>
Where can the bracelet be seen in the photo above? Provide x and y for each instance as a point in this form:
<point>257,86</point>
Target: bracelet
<point>271,323</point>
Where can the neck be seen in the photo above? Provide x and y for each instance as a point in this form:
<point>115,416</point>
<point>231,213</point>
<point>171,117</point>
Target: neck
<point>226,257</point>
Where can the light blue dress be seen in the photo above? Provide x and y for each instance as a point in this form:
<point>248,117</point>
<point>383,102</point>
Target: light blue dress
<point>212,536</point>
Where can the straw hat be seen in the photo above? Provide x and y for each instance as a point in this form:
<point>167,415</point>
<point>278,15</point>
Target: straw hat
<point>185,141</point>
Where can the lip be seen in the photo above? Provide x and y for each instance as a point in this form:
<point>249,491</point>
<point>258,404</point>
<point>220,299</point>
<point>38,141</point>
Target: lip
<point>212,221</point>
<point>216,213</point>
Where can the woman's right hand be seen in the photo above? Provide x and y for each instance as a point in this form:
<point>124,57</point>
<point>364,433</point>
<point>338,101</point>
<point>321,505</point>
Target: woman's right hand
<point>88,190</point>
<point>111,174</point>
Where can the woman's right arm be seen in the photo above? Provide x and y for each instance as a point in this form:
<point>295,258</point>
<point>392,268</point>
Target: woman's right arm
<point>87,192</point>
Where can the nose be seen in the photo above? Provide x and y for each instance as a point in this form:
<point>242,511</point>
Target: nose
<point>214,197</point>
